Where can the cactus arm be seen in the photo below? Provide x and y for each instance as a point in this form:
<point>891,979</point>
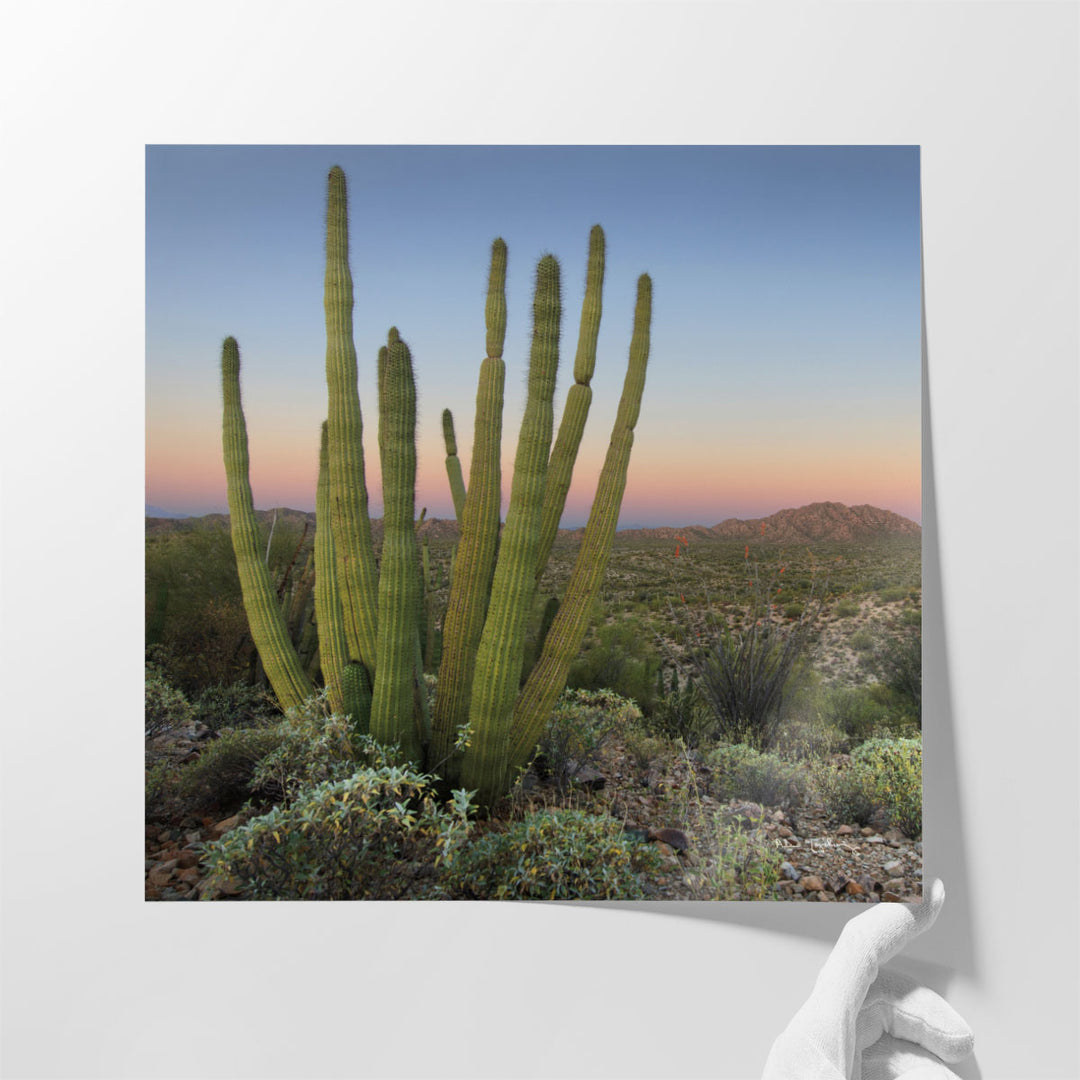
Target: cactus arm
<point>578,400</point>
<point>502,644</point>
<point>473,561</point>
<point>393,716</point>
<point>453,466</point>
<point>265,618</point>
<point>563,640</point>
<point>333,650</point>
<point>351,526</point>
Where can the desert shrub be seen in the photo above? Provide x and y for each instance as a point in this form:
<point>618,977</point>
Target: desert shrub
<point>223,772</point>
<point>809,738</point>
<point>683,714</point>
<point>619,657</point>
<point>238,705</point>
<point>740,771</point>
<point>892,594</point>
<point>897,662</point>
<point>883,780</point>
<point>749,674</point>
<point>379,834</point>
<point>861,641</point>
<point>166,707</point>
<point>554,855</point>
<point>161,780</point>
<point>854,710</point>
<point>740,865</point>
<point>793,611</point>
<point>893,774</point>
<point>846,609</point>
<point>580,725</point>
<point>647,750</point>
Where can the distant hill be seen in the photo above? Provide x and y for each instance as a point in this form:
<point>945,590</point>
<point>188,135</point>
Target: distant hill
<point>818,521</point>
<point>157,512</point>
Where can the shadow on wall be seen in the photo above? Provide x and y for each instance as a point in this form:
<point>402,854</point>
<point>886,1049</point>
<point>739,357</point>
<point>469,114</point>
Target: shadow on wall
<point>949,949</point>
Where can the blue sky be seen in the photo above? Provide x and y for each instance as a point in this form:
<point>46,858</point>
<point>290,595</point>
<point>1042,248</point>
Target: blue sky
<point>785,363</point>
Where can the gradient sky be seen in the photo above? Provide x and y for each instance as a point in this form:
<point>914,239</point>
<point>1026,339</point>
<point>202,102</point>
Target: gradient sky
<point>785,364</point>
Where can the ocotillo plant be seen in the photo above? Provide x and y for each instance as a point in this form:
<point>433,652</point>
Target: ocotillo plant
<point>369,626</point>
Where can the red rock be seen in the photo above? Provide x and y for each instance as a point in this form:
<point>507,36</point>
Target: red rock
<point>853,888</point>
<point>811,883</point>
<point>220,828</point>
<point>190,875</point>
<point>187,858</point>
<point>161,873</point>
<point>890,898</point>
<point>784,832</point>
<point>867,831</point>
<point>845,830</point>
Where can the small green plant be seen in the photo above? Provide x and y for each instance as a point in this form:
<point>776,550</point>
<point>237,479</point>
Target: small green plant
<point>238,705</point>
<point>897,662</point>
<point>223,773</point>
<point>621,657</point>
<point>809,738</point>
<point>161,778</point>
<point>854,710</point>
<point>582,723</point>
<point>883,780</point>
<point>167,709</point>
<point>892,769</point>
<point>846,609</point>
<point>742,772</point>
<point>739,865</point>
<point>893,594</point>
<point>554,855</point>
<point>861,641</point>
<point>683,714</point>
<point>379,834</point>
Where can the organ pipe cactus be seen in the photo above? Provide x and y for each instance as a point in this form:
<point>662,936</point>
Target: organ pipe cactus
<point>502,644</point>
<point>370,624</point>
<point>265,618</point>
<point>392,702</point>
<point>353,549</point>
<point>578,400</point>
<point>453,465</point>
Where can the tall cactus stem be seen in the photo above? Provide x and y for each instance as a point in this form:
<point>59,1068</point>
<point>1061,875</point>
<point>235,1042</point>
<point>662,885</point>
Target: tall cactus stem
<point>502,645</point>
<point>265,618</point>
<point>453,466</point>
<point>393,701</point>
<point>333,649</point>
<point>578,400</point>
<point>564,639</point>
<point>351,526</point>
<point>472,562</point>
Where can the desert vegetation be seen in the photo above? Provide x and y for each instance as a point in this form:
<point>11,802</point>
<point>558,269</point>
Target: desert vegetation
<point>408,709</point>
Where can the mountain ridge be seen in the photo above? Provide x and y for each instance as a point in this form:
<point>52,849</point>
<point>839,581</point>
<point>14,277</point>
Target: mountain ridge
<point>824,521</point>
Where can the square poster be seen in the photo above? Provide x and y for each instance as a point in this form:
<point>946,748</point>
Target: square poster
<point>603,580</point>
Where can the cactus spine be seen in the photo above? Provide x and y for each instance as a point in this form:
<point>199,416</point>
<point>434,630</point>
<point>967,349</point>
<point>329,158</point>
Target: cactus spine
<point>453,466</point>
<point>578,400</point>
<point>502,644</point>
<point>392,702</point>
<point>265,618</point>
<point>564,639</point>
<point>474,561</point>
<point>350,524</point>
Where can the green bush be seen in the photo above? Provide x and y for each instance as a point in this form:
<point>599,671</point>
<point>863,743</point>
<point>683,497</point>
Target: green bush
<point>683,714</point>
<point>893,594</point>
<point>618,657</point>
<point>893,771</point>
<point>741,772</point>
<point>854,710</point>
<point>861,641</point>
<point>554,855</point>
<point>581,723</point>
<point>223,772</point>
<point>166,707</point>
<point>238,705</point>
<point>376,835</point>
<point>884,780</point>
<point>846,609</point>
<point>897,661</point>
<point>809,739</point>
<point>741,864</point>
<point>160,787</point>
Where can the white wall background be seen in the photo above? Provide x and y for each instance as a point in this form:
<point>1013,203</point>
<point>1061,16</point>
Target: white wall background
<point>98,984</point>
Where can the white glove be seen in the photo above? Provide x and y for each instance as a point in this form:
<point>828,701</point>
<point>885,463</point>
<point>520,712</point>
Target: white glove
<point>860,1023</point>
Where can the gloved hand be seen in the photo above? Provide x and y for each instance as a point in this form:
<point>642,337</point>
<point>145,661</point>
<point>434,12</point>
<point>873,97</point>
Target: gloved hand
<point>861,1023</point>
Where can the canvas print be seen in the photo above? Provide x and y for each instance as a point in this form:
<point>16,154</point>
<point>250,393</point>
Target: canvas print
<point>533,523</point>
